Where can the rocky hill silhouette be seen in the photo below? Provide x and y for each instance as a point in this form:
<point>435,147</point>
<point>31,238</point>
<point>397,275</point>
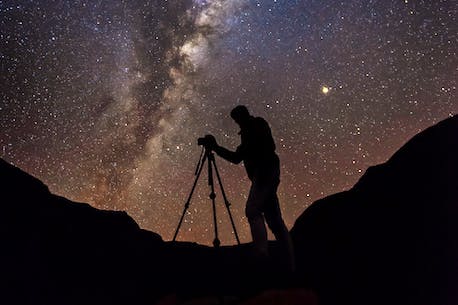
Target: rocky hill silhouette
<point>391,239</point>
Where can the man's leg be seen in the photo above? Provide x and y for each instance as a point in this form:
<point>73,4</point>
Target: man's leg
<point>255,217</point>
<point>276,224</point>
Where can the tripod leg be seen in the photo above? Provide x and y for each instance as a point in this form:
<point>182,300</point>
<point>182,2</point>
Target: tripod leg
<point>216,241</point>
<point>226,202</point>
<point>188,201</point>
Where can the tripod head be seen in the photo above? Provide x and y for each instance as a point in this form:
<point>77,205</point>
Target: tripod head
<point>208,142</point>
<point>206,153</point>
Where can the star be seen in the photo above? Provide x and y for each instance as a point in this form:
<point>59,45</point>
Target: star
<point>325,89</point>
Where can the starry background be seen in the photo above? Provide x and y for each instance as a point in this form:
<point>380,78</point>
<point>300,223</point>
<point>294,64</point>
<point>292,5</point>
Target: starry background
<point>104,100</point>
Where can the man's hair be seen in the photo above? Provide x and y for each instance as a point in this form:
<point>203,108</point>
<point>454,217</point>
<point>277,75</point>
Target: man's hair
<point>239,111</point>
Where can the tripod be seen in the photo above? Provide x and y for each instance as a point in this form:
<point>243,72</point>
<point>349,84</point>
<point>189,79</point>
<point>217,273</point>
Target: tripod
<point>208,155</point>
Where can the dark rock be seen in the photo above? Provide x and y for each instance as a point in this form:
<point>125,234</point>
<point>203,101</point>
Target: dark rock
<point>392,238</point>
<point>55,251</point>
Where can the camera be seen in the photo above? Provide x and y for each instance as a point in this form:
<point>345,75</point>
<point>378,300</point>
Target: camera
<point>208,141</point>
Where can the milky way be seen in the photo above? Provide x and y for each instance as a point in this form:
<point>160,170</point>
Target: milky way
<point>104,100</point>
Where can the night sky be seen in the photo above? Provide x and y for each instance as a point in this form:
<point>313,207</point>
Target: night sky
<point>104,100</point>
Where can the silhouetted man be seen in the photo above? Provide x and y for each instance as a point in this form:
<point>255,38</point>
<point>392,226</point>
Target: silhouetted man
<point>257,151</point>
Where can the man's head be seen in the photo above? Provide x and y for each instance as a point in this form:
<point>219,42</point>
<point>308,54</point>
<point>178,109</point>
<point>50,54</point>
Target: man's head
<point>240,115</point>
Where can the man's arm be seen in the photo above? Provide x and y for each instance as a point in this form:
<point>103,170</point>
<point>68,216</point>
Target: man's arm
<point>231,156</point>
